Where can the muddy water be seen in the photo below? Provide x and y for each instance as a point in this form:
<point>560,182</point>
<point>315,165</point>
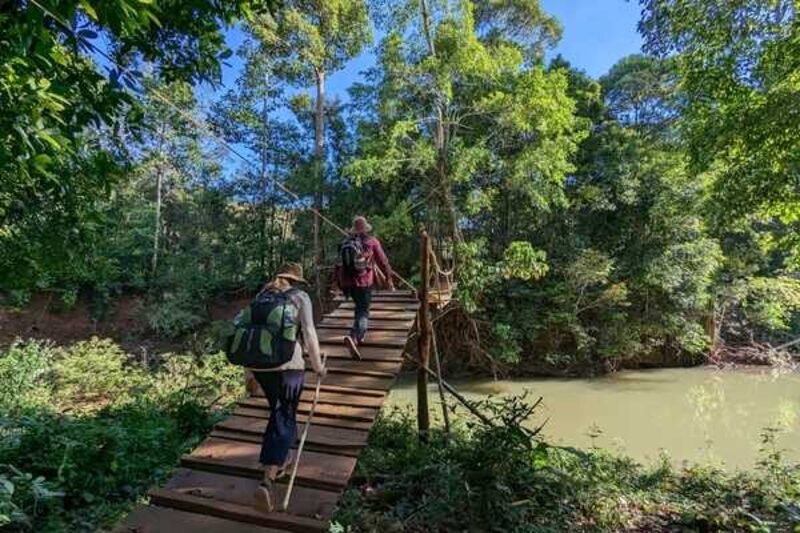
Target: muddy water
<point>696,415</point>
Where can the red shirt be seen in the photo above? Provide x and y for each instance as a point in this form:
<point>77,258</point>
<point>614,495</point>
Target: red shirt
<point>373,251</point>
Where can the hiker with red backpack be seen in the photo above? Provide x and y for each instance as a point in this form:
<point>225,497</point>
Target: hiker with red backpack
<point>362,266</point>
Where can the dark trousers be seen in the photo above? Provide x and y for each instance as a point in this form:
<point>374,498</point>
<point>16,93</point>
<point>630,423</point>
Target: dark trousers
<point>282,390</point>
<point>362,296</point>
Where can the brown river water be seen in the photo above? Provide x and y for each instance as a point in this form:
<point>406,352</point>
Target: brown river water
<point>693,415</point>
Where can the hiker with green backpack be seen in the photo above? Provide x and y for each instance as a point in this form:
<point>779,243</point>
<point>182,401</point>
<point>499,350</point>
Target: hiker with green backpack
<point>266,341</point>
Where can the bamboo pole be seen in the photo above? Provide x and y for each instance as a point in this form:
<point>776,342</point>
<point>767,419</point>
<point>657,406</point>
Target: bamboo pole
<point>424,339</point>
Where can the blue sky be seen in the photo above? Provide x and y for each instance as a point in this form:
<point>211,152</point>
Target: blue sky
<point>597,33</point>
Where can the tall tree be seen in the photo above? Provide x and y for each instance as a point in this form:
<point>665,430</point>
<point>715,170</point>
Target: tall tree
<point>245,115</point>
<point>168,151</point>
<point>641,91</point>
<point>309,39</point>
<point>52,92</point>
<point>462,106</point>
<point>739,66</point>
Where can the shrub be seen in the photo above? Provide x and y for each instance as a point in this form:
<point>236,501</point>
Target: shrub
<point>93,373</point>
<point>24,369</point>
<point>175,315</point>
<point>83,432</point>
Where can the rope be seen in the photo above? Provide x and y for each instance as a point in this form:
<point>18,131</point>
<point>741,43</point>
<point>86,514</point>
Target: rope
<point>441,273</point>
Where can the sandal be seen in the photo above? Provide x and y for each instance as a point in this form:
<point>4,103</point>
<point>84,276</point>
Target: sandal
<point>263,498</point>
<point>352,347</point>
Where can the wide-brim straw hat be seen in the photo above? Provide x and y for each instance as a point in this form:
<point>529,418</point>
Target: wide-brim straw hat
<point>291,271</point>
<point>360,220</point>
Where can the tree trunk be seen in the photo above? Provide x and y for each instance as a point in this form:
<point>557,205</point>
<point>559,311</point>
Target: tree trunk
<point>262,244</point>
<point>440,138</point>
<point>157,232</point>
<point>424,340</point>
<point>319,168</point>
<point>159,181</point>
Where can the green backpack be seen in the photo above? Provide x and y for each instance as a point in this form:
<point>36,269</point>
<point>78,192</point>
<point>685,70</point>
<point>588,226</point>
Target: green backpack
<point>266,332</point>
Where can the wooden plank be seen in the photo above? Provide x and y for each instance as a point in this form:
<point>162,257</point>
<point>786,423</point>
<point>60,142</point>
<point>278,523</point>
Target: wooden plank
<point>406,303</point>
<point>337,350</point>
<point>374,325</point>
<point>319,419</point>
<point>239,436</point>
<point>232,511</point>
<point>403,292</point>
<point>317,470</point>
<point>352,391</point>
<point>384,306</point>
<point>383,339</point>
<point>353,380</point>
<point>374,314</point>
<point>384,295</point>
<point>332,437</point>
<point>360,368</point>
<point>154,519</point>
<point>344,413</point>
<point>384,367</point>
<point>336,398</point>
<point>308,387</point>
<point>311,503</point>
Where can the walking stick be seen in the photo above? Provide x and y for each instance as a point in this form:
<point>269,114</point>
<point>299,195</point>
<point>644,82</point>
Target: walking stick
<point>285,504</point>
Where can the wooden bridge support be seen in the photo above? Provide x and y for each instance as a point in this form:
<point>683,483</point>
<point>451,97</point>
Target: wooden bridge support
<point>424,338</point>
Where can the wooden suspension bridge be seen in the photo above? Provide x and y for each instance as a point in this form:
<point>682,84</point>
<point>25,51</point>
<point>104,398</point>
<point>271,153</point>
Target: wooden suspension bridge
<point>213,488</point>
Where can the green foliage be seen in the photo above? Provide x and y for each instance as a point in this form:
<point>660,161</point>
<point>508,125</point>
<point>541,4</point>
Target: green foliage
<point>522,261</point>
<point>92,373</point>
<point>306,36</point>
<point>759,307</point>
<point>23,369</point>
<point>175,315</point>
<point>740,77</point>
<point>498,479</point>
<point>23,496</point>
<point>59,152</point>
<point>98,429</point>
<point>455,118</point>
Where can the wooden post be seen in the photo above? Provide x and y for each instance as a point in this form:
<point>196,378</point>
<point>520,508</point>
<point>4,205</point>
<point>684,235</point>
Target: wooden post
<point>424,339</point>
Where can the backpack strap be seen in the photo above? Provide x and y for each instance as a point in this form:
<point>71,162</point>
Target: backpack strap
<point>289,292</point>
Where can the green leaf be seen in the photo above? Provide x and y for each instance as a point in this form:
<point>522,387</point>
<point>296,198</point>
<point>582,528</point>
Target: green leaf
<point>49,139</point>
<point>41,162</point>
<point>87,7</point>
